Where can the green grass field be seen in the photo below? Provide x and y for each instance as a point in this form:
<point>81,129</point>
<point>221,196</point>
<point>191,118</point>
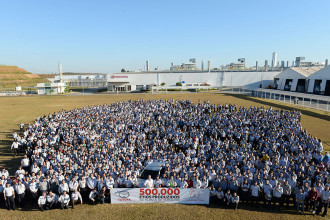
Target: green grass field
<point>14,110</point>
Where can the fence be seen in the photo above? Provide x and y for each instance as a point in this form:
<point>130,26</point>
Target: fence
<point>301,99</point>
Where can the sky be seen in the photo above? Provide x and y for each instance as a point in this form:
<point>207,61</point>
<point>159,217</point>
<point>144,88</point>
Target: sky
<point>106,35</point>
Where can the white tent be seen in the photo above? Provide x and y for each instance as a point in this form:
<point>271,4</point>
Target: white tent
<point>320,81</point>
<point>294,77</point>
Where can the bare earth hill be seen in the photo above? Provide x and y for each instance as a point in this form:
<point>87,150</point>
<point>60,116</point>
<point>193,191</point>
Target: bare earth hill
<point>10,76</point>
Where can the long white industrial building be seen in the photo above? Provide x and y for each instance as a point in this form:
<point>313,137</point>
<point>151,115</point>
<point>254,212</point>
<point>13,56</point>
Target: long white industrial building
<point>134,81</point>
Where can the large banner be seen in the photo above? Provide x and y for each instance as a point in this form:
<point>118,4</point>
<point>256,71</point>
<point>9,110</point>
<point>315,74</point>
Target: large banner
<point>160,195</point>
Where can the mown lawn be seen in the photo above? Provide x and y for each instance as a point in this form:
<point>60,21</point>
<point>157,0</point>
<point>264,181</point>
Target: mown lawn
<point>14,110</point>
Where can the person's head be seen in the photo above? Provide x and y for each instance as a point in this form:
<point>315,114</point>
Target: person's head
<point>64,192</point>
<point>149,177</point>
<point>44,193</point>
<point>235,194</point>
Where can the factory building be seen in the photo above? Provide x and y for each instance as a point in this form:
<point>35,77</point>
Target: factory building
<point>137,81</point>
<point>319,82</point>
<point>294,79</point>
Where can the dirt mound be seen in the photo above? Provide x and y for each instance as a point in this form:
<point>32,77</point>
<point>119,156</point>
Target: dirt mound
<point>12,69</point>
<point>10,76</point>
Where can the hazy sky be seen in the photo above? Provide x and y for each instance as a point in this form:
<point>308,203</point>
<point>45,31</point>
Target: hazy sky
<point>107,35</point>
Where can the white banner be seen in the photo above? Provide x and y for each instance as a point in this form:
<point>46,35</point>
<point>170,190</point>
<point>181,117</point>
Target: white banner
<point>160,195</point>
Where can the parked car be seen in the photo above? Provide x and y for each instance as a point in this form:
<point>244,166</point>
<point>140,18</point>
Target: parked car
<point>153,169</point>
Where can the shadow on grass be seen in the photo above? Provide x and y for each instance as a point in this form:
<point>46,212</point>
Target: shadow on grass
<point>7,157</point>
<point>277,105</point>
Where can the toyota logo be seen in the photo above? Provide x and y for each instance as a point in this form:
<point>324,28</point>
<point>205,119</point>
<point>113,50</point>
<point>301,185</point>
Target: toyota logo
<point>194,194</point>
<point>123,194</point>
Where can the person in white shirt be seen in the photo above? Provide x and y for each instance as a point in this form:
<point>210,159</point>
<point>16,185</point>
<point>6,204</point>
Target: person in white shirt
<point>325,200</point>
<point>64,200</point>
<point>34,186</point>
<point>128,182</point>
<point>93,196</point>
<point>25,163</point>
<point>52,200</point>
<point>183,183</point>
<point>73,184</point>
<point>42,201</point>
<point>157,182</point>
<point>149,183</point>
<point>20,190</point>
<point>83,188</point>
<point>255,191</point>
<point>9,195</point>
<point>63,187</point>
<point>4,172</point>
<point>234,199</point>
<point>76,197</point>
<point>14,146</point>
<point>277,195</point>
<point>197,184</point>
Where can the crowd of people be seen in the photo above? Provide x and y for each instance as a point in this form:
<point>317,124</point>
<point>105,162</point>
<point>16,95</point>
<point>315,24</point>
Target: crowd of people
<point>243,155</point>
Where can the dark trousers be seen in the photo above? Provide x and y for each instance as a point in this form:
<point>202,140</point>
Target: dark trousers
<point>255,199</point>
<point>20,200</point>
<point>2,200</point>
<point>10,203</point>
<point>321,205</point>
<point>278,200</point>
<point>43,207</point>
<point>74,202</point>
<point>84,195</point>
<point>234,205</point>
<point>16,150</point>
<point>286,199</point>
<point>312,204</point>
<point>63,206</point>
<point>50,205</point>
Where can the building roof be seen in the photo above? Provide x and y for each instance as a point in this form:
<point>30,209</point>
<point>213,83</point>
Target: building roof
<point>323,73</point>
<point>306,71</point>
<point>298,72</point>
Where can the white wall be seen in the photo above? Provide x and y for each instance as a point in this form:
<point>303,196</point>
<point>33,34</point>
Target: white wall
<point>246,79</point>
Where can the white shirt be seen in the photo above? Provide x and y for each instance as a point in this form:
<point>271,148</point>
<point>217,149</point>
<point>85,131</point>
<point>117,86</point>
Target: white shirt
<point>42,200</point>
<point>51,198</point>
<point>25,162</point>
<point>73,185</point>
<point>63,187</point>
<point>9,191</point>
<point>197,184</point>
<point>76,196</point>
<point>65,199</point>
<point>255,190</point>
<point>149,183</point>
<point>20,189</point>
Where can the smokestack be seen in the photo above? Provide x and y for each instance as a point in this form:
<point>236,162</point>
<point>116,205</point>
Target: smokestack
<point>147,65</point>
<point>208,65</point>
<point>257,66</point>
<point>266,65</point>
<point>287,64</point>
<point>326,62</point>
<point>202,67</point>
